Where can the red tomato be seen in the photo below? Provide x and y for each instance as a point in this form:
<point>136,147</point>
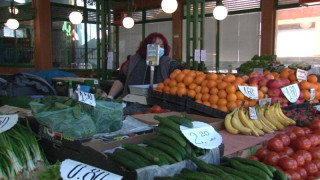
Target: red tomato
<point>299,158</point>
<point>165,110</point>
<point>284,138</point>
<point>262,152</point>
<point>275,144</point>
<point>313,138</point>
<point>288,150</point>
<point>302,142</point>
<point>311,168</point>
<point>298,131</point>
<point>282,154</point>
<point>287,174</point>
<point>303,173</point>
<point>278,167</point>
<point>291,135</point>
<point>315,124</point>
<point>156,109</point>
<point>288,163</point>
<point>306,154</point>
<point>149,111</point>
<point>306,130</point>
<point>253,157</point>
<point>272,158</point>
<point>294,175</point>
<point>315,152</point>
<point>317,163</point>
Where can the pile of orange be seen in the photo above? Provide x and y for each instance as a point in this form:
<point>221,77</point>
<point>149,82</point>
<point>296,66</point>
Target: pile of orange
<point>215,90</point>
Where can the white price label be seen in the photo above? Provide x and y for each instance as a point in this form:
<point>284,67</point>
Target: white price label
<point>249,91</point>
<point>203,55</point>
<point>202,135</point>
<point>75,170</point>
<point>7,122</point>
<point>95,81</point>
<point>86,98</point>
<point>292,92</point>
<point>302,75</point>
<point>262,102</point>
<point>253,113</point>
<point>312,94</point>
<point>197,55</point>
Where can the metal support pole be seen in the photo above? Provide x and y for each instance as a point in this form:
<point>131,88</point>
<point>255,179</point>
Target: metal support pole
<point>98,13</point>
<point>103,40</point>
<point>218,46</point>
<point>195,32</point>
<point>188,35</point>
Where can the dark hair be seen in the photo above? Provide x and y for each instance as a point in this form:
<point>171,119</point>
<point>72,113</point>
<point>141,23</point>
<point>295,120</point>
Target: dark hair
<point>150,39</point>
<point>128,57</point>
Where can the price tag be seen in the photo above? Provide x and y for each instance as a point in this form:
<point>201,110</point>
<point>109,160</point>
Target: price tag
<point>291,92</point>
<point>7,122</point>
<point>302,75</point>
<point>312,93</point>
<point>253,113</point>
<point>153,51</point>
<point>95,82</point>
<point>197,55</point>
<point>259,70</point>
<point>86,98</point>
<point>202,135</point>
<point>203,55</point>
<point>249,91</point>
<point>75,170</point>
<point>262,102</point>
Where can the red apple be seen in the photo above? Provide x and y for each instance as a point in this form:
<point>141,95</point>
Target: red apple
<point>300,96</point>
<point>263,81</point>
<point>254,80</point>
<point>255,74</point>
<point>284,104</point>
<point>275,99</point>
<point>286,82</point>
<point>269,76</point>
<point>299,101</point>
<point>275,83</point>
<point>275,92</point>
<point>245,78</point>
<point>264,89</point>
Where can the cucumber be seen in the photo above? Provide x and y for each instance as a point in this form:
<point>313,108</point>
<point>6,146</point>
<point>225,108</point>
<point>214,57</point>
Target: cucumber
<point>162,154</point>
<point>168,122</point>
<point>279,175</point>
<point>235,177</point>
<point>142,151</point>
<point>172,134</point>
<point>235,172</point>
<point>128,164</point>
<point>188,148</point>
<point>138,159</point>
<point>271,168</point>
<point>249,169</point>
<point>169,150</point>
<point>166,140</point>
<point>162,159</point>
<point>196,176</point>
<point>210,169</point>
<point>181,120</point>
<point>255,163</point>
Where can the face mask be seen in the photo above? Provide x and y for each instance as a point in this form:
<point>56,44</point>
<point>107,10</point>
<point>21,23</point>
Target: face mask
<point>161,53</point>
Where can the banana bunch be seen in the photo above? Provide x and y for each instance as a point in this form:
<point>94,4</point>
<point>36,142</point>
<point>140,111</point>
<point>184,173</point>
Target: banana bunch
<point>270,119</point>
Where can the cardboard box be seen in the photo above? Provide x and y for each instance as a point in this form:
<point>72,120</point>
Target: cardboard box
<point>217,123</point>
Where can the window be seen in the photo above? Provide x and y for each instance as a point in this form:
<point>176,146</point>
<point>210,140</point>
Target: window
<point>298,35</point>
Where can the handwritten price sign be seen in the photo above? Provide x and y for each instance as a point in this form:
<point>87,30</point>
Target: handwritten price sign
<point>292,92</point>
<point>302,75</point>
<point>86,98</point>
<point>202,135</point>
<point>249,91</point>
<point>253,113</point>
<point>262,102</point>
<point>7,122</point>
<point>75,170</point>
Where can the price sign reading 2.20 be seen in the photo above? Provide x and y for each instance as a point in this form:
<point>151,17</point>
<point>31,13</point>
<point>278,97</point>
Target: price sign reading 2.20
<point>292,92</point>
<point>202,135</point>
<point>249,91</point>
<point>74,170</point>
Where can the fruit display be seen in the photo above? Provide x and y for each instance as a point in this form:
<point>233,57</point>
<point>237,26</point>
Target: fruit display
<point>256,61</point>
<point>167,147</point>
<point>303,117</point>
<point>230,168</point>
<point>269,119</point>
<point>296,152</point>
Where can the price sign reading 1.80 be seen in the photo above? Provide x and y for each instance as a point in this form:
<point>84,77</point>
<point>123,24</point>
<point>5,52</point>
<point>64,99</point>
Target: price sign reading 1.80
<point>74,170</point>
<point>249,91</point>
<point>202,135</point>
<point>292,92</point>
<point>86,98</point>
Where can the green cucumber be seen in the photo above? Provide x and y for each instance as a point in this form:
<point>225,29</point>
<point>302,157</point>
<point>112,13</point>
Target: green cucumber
<point>279,175</point>
<point>271,168</point>
<point>181,120</point>
<point>169,150</point>
<point>138,159</point>
<point>255,163</point>
<point>168,122</point>
<point>197,176</point>
<point>142,151</point>
<point>162,154</point>
<point>166,140</point>
<point>128,164</point>
<point>235,172</point>
<point>172,134</point>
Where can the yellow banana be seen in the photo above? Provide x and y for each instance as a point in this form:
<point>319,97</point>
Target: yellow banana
<point>266,129</point>
<point>291,121</point>
<point>259,131</point>
<point>236,123</point>
<point>277,115</point>
<point>246,122</point>
<point>228,125</point>
<point>269,114</point>
<point>255,122</point>
<point>260,112</point>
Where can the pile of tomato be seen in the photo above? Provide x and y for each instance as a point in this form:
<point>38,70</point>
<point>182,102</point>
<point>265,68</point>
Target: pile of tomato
<point>296,152</point>
<point>154,109</point>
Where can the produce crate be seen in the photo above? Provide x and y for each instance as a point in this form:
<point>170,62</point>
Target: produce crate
<point>195,108</point>
<point>305,105</point>
<point>61,84</point>
<point>167,101</point>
